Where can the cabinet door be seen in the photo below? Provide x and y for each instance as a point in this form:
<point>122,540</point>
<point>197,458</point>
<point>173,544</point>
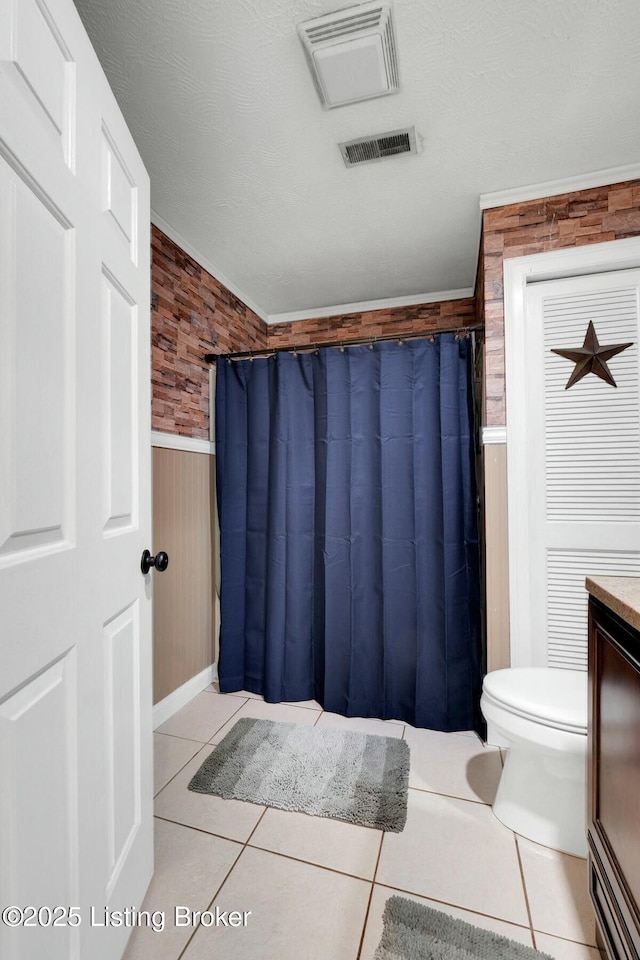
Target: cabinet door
<point>614,788</point>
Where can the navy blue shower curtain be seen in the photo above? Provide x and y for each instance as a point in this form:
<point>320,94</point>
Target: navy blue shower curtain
<point>349,549</point>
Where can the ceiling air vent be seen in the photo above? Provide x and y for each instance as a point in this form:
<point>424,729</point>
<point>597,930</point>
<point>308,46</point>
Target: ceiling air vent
<point>378,147</point>
<point>351,54</point>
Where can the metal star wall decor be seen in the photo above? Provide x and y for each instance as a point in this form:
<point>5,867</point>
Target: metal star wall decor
<point>591,357</point>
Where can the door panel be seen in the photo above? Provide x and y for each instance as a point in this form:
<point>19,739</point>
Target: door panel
<point>75,676</point>
<point>122,717</point>
<point>120,336</point>
<point>582,457</point>
<point>42,68</point>
<point>36,241</point>
<point>38,756</point>
<point>119,191</point>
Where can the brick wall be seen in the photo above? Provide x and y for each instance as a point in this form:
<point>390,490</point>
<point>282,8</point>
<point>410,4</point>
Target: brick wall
<point>191,314</point>
<point>393,321</point>
<point>523,229</point>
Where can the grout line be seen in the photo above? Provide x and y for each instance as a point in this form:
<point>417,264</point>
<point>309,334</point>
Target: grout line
<point>258,822</point>
<point>175,736</point>
<point>178,772</point>
<point>366,915</point>
<point>296,704</point>
<point>556,936</point>
<point>456,906</point>
<point>308,863</point>
<point>317,718</point>
<point>197,926</point>
<point>228,720</point>
<point>451,796</point>
<point>524,888</point>
<point>208,833</point>
<point>236,696</point>
<point>227,875</point>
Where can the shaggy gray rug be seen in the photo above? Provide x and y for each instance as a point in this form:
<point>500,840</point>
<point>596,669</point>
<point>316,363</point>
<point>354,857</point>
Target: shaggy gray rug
<point>357,777</point>
<point>413,931</point>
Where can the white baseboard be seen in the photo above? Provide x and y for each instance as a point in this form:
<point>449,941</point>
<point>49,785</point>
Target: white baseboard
<point>181,697</point>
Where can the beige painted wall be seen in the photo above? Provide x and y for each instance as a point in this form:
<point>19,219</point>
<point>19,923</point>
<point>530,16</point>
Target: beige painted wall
<point>184,608</point>
<point>497,555</point>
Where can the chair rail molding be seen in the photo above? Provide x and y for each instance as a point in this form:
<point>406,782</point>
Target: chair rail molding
<point>173,441</point>
<point>493,435</point>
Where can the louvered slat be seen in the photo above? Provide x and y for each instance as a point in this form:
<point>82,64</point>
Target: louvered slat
<point>592,441</point>
<point>567,599</point>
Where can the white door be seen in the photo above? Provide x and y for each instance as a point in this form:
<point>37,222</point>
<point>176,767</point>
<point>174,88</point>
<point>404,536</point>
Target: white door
<point>75,692</point>
<point>578,482</point>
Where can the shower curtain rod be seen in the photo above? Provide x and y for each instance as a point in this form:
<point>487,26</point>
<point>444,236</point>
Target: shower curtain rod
<point>312,347</point>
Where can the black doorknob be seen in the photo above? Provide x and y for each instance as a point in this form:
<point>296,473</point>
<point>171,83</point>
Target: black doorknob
<point>160,561</point>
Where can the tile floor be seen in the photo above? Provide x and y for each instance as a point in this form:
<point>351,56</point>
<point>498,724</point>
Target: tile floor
<point>316,888</point>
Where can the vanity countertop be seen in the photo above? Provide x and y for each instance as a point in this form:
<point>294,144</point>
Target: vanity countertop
<point>620,594</point>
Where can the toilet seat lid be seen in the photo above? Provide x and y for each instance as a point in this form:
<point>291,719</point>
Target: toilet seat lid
<point>557,698</point>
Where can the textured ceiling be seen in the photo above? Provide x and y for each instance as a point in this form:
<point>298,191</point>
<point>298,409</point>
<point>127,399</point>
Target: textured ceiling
<point>244,163</point>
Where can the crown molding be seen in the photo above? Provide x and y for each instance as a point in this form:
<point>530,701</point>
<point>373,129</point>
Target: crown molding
<point>166,228</point>
<point>537,191</point>
<point>340,309</point>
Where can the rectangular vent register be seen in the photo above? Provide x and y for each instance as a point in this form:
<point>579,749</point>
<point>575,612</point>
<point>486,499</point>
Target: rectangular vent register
<point>378,147</point>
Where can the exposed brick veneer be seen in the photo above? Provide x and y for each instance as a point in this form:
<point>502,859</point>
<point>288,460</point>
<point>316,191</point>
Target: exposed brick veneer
<point>375,323</point>
<point>194,314</point>
<point>523,229</point>
<point>191,314</point>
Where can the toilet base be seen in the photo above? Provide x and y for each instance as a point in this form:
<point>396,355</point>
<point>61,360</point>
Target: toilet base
<point>542,796</point>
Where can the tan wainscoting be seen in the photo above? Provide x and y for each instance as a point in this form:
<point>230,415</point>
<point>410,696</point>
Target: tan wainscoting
<point>183,596</point>
<point>497,555</point>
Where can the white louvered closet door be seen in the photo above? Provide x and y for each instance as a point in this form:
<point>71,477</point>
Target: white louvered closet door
<point>583,456</point>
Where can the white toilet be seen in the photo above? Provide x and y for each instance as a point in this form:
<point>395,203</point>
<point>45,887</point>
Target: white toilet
<point>540,714</point>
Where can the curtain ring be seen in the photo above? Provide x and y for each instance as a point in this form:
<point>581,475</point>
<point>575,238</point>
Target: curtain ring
<point>432,339</point>
<point>371,345</point>
<point>401,343</point>
<point>341,348</point>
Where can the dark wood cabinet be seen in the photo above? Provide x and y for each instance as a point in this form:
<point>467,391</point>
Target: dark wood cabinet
<point>613,801</point>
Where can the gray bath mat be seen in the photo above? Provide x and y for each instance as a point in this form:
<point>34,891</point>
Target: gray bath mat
<point>413,931</point>
<point>357,777</point>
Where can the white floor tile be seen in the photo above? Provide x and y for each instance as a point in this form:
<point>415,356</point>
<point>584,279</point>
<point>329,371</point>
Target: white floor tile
<point>282,712</point>
<point>565,949</point>
<point>558,891</point>
<point>309,704</point>
<point>189,868</point>
<point>245,694</point>
<point>202,716</point>
<point>234,819</point>
<point>382,728</point>
<point>329,843</point>
<point>451,764</point>
<point>298,912</point>
<point>455,851</point>
<point>169,755</point>
<point>381,895</point>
